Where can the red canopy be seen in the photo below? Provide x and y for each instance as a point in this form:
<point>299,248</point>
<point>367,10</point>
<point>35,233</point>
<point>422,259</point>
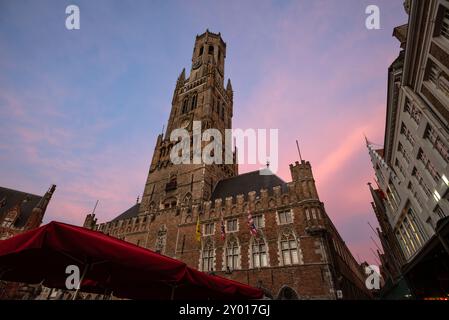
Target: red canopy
<point>129,271</point>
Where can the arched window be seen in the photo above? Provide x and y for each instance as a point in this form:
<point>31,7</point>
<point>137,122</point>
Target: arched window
<point>222,112</point>
<point>287,293</point>
<point>185,105</point>
<point>194,102</point>
<point>201,51</point>
<point>289,250</point>
<point>259,253</point>
<point>207,256</point>
<point>232,254</point>
<point>211,50</point>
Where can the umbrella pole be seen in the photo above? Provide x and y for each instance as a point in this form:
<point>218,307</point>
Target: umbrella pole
<point>81,281</point>
<point>172,295</point>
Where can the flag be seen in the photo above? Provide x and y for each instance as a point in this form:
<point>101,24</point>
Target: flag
<point>251,225</point>
<point>223,231</point>
<point>198,229</point>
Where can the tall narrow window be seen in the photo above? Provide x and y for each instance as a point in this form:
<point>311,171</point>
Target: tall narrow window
<point>207,257</point>
<point>185,106</point>
<point>222,112</point>
<point>201,51</point>
<point>259,253</point>
<point>232,254</point>
<point>194,102</point>
<point>289,250</point>
<point>211,50</point>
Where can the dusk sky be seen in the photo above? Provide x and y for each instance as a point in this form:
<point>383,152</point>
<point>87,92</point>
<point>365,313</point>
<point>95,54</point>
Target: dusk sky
<point>82,108</point>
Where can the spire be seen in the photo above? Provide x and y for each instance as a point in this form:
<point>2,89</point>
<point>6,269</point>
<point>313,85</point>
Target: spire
<point>43,203</point>
<point>229,91</point>
<point>38,212</point>
<point>229,86</point>
<point>182,76</point>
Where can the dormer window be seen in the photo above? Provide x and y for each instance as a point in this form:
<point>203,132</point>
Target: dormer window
<point>2,202</point>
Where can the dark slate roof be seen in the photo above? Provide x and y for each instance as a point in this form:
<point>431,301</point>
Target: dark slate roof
<point>12,198</point>
<point>247,182</point>
<point>130,213</point>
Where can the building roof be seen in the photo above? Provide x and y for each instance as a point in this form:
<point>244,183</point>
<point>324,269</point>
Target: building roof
<point>247,182</point>
<point>10,198</point>
<point>130,213</point>
<point>400,33</point>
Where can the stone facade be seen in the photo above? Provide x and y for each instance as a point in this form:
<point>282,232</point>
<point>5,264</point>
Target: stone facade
<point>412,168</point>
<point>297,252</point>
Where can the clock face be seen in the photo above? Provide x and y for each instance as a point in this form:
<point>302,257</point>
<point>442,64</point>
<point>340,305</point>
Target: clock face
<point>196,65</point>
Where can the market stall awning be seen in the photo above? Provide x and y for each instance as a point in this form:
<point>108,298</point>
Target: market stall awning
<point>106,263</point>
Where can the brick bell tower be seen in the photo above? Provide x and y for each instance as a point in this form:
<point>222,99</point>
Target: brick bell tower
<point>200,97</point>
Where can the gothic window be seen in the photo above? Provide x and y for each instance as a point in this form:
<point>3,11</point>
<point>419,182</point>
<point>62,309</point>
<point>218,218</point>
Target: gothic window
<point>259,253</point>
<point>201,51</point>
<point>289,250</point>
<point>185,105</point>
<point>194,102</point>
<point>207,256</point>
<point>216,107</point>
<point>211,50</point>
<point>287,293</point>
<point>222,112</point>
<point>232,254</point>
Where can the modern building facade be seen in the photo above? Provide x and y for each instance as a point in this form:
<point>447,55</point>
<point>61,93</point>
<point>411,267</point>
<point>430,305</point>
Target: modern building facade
<point>198,213</point>
<point>411,200</point>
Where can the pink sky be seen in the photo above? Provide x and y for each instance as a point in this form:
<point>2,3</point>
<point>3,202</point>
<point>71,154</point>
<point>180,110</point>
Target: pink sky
<point>82,110</point>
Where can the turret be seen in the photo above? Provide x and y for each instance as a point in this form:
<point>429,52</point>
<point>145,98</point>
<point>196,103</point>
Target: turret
<point>303,177</point>
<point>38,212</point>
<point>90,221</point>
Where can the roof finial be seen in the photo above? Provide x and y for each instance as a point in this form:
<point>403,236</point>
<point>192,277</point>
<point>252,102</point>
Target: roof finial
<point>138,198</point>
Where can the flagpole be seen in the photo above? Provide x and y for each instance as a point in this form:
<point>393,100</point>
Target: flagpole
<point>299,151</point>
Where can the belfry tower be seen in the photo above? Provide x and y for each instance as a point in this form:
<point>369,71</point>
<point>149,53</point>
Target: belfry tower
<point>201,97</point>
